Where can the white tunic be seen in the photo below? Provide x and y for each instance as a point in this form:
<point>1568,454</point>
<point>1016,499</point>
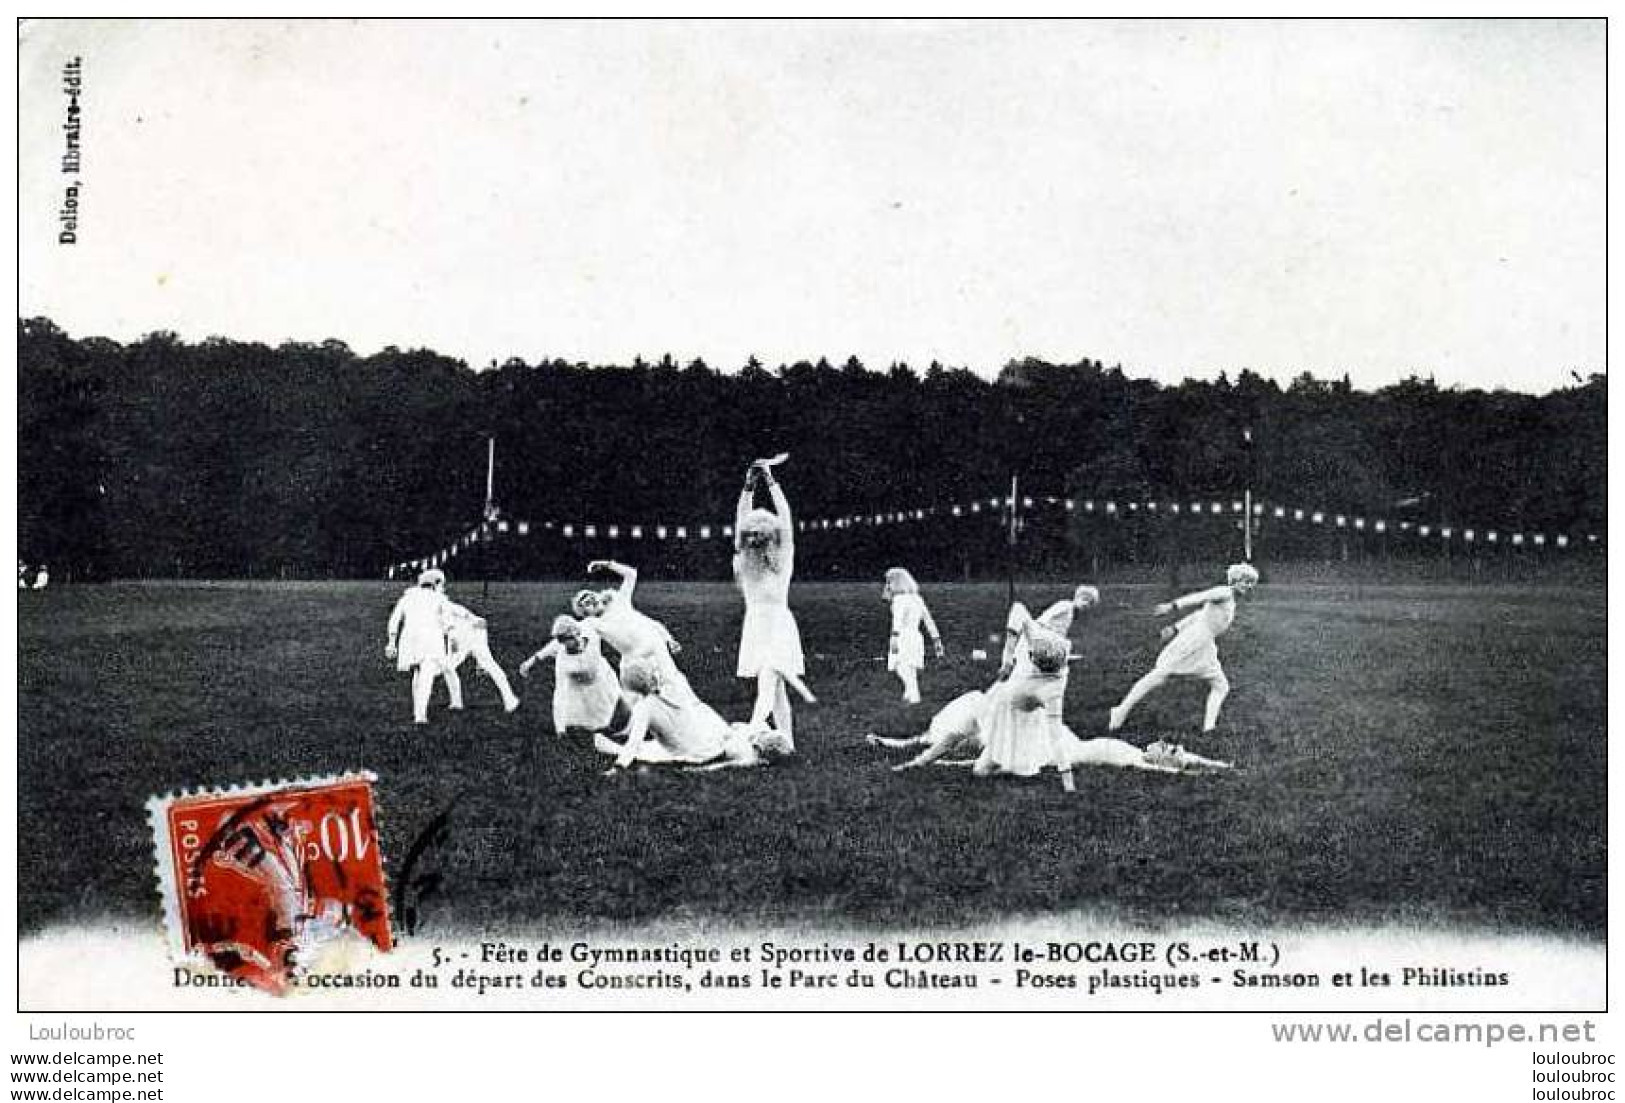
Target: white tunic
<point>465,630</point>
<point>1057,618</point>
<point>770,637</point>
<point>417,625</point>
<point>908,612</point>
<point>629,630</point>
<point>632,632</point>
<point>959,724</point>
<point>1193,650</point>
<point>1103,751</point>
<point>585,688</point>
<point>1021,722</point>
<point>663,730</point>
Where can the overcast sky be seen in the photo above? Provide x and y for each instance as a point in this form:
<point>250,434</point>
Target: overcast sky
<point>1374,198</point>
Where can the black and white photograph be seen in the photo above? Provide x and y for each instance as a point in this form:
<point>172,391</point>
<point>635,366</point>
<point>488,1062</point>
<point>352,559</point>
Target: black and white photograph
<point>781,515</point>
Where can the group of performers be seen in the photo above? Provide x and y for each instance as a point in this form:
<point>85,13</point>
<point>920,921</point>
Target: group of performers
<point>432,636</point>
<point>1015,726</point>
<point>1012,727</point>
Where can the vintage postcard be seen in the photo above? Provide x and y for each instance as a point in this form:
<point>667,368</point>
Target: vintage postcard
<point>934,515</point>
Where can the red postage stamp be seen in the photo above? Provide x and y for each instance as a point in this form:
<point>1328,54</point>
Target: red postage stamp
<point>257,880</point>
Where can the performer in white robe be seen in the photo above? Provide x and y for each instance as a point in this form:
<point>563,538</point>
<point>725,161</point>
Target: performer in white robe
<point>905,653</point>
<point>417,640</point>
<point>955,739</point>
<point>747,747</point>
<point>955,732</point>
<point>467,637</point>
<point>1192,649</point>
<point>1160,757</point>
<point>663,729</point>
<point>585,688</point>
<point>629,630</point>
<point>1058,618</point>
<point>1021,720</point>
<point>769,642</point>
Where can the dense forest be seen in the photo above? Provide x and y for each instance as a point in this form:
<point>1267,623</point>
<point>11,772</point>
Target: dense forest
<point>226,459</point>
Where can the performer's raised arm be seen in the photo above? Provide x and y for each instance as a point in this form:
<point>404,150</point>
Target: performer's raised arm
<point>747,502</point>
<point>1015,625</point>
<point>781,506</point>
<point>627,575</point>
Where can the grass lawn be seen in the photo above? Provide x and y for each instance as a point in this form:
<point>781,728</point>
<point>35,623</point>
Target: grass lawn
<point>1411,753</point>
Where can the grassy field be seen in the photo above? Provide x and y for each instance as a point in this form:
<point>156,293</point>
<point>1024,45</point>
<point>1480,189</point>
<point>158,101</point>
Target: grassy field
<point>1411,753</point>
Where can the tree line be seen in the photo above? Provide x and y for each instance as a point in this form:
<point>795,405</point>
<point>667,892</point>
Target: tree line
<point>225,458</point>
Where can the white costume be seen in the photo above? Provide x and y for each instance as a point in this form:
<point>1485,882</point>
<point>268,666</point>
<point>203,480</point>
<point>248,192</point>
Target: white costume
<point>585,688</point>
<point>746,747</point>
<point>908,616</point>
<point>418,628</point>
<point>1021,720</point>
<point>955,730</point>
<point>632,633</point>
<point>769,641</point>
<point>669,731</point>
<point>958,725</point>
<point>417,642</point>
<point>770,637</point>
<point>467,636</point>
<point>1021,723</point>
<point>1193,651</point>
<point>1161,757</point>
<point>1057,618</point>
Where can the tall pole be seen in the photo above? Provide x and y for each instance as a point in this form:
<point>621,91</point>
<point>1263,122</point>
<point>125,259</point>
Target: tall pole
<point>1247,501</point>
<point>486,514</point>
<point>490,473</point>
<point>1247,526</point>
<point>1010,549</point>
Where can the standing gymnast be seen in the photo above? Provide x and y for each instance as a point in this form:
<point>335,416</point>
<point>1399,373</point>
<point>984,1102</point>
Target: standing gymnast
<point>905,655</point>
<point>764,560</point>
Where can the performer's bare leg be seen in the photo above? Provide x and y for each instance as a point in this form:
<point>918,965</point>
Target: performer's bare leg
<point>1218,689</point>
<point>907,744</point>
<point>493,670</point>
<point>1141,689</point>
<point>423,677</point>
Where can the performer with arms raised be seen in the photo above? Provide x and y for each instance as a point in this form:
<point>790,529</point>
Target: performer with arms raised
<point>764,560</point>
